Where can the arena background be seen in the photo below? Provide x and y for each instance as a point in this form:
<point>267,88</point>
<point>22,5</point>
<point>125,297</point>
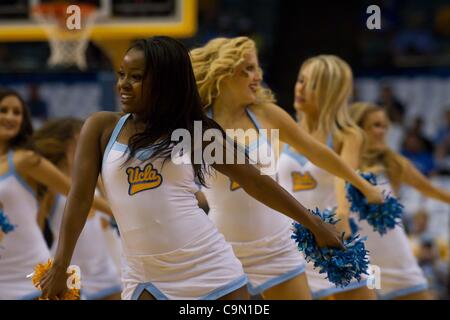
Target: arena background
<point>404,66</point>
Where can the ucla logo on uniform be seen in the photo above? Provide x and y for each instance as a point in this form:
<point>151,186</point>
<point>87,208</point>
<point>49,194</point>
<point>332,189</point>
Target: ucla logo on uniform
<point>234,185</point>
<point>143,179</point>
<point>303,181</point>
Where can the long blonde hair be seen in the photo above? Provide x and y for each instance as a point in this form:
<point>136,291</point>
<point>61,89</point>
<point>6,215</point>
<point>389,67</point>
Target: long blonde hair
<point>217,60</point>
<point>391,161</point>
<point>331,82</point>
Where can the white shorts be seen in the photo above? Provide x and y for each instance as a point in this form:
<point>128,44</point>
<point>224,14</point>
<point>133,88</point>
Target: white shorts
<point>14,284</point>
<point>99,275</point>
<point>321,287</point>
<point>398,269</point>
<point>270,261</point>
<point>99,280</point>
<point>18,289</point>
<point>113,246</point>
<point>205,269</point>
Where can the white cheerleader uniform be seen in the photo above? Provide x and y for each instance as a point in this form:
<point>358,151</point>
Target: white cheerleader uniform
<point>99,275</point>
<point>24,247</point>
<point>313,188</point>
<point>259,235</point>
<point>170,247</point>
<point>400,273</point>
<point>112,238</point>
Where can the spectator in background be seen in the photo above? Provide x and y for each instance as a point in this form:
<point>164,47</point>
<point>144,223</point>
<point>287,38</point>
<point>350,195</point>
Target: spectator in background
<point>433,264</point>
<point>431,253</point>
<point>442,142</point>
<point>417,149</point>
<point>417,128</point>
<point>416,37</point>
<point>38,107</point>
<point>396,113</point>
<point>419,224</point>
<point>394,108</point>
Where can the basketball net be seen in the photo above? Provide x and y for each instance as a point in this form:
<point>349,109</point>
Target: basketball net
<point>68,36</point>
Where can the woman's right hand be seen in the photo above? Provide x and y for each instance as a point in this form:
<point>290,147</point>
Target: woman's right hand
<point>326,234</point>
<point>54,282</point>
<point>2,234</point>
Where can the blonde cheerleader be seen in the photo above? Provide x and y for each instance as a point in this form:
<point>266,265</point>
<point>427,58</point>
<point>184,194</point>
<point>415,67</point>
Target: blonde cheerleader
<point>229,81</point>
<point>400,275</point>
<point>322,92</point>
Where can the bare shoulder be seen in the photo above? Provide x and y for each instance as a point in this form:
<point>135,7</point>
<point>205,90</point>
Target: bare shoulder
<point>351,138</point>
<point>272,114</point>
<point>267,109</point>
<point>103,119</point>
<point>352,135</point>
<point>100,125</point>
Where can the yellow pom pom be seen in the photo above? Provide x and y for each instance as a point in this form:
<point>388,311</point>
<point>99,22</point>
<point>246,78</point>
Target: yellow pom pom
<point>40,270</point>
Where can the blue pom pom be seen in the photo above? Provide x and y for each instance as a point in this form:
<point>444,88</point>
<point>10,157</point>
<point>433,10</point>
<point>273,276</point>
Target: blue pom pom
<point>382,217</point>
<point>4,223</point>
<point>341,266</point>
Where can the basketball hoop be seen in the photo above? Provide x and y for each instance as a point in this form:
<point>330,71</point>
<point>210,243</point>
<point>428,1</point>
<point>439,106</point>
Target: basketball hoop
<point>68,42</point>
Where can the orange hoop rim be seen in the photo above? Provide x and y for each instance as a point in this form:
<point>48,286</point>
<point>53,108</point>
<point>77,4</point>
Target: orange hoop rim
<point>58,10</point>
<point>48,12</point>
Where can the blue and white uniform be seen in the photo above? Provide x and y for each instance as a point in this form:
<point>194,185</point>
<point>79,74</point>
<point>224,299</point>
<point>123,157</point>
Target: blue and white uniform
<point>313,187</point>
<point>259,235</point>
<point>24,247</point>
<point>99,275</point>
<point>112,239</point>
<point>170,247</point>
<point>400,273</point>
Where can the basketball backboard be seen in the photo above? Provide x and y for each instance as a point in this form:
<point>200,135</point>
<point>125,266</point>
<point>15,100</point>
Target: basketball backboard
<point>119,19</point>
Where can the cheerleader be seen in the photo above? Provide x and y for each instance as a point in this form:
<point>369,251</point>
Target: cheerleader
<point>22,174</point>
<point>56,140</point>
<point>229,81</point>
<point>322,92</point>
<point>401,276</point>
<point>171,249</point>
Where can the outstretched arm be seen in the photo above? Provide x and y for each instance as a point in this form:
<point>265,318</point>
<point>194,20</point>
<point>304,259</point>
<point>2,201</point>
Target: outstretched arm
<point>85,173</point>
<point>318,153</point>
<point>350,153</point>
<point>266,190</point>
<point>418,181</point>
<point>44,172</point>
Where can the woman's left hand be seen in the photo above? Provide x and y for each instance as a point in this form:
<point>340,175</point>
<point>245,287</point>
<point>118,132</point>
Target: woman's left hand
<point>343,226</point>
<point>373,195</point>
